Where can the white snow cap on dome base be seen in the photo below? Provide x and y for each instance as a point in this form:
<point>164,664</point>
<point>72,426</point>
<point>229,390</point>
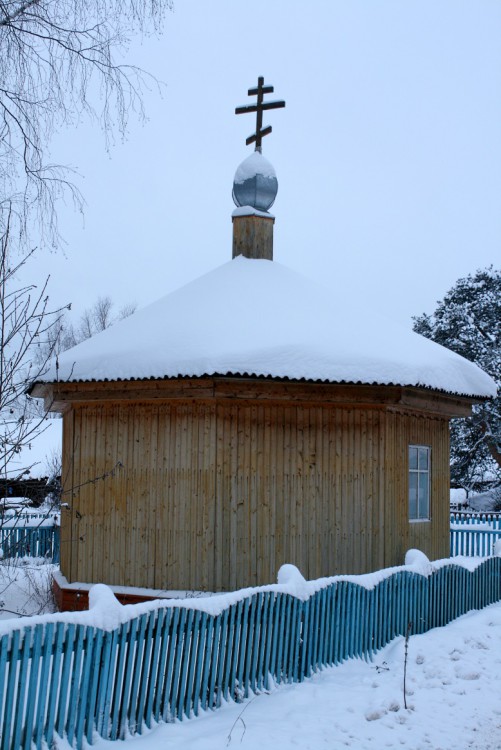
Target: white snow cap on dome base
<point>257,317</point>
<point>250,211</point>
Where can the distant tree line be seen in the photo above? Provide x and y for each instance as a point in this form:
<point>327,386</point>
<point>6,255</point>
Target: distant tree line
<point>96,318</point>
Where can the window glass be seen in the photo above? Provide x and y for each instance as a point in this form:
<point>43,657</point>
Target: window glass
<point>423,458</point>
<point>413,508</point>
<point>423,511</point>
<point>413,457</point>
<point>419,482</point>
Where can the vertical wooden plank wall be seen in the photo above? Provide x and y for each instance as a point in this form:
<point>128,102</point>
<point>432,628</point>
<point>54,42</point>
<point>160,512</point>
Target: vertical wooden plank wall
<point>297,485</point>
<point>432,537</point>
<point>217,495</point>
<point>150,522</point>
<point>67,483</point>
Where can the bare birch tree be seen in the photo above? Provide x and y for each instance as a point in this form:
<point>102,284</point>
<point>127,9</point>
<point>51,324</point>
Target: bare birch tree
<point>26,322</point>
<point>58,63</point>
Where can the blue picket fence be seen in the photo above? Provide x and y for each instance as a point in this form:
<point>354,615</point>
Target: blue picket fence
<point>30,541</point>
<point>474,535</point>
<point>175,659</point>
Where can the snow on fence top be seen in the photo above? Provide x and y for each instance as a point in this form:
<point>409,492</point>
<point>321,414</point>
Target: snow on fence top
<point>258,318</point>
<point>106,612</point>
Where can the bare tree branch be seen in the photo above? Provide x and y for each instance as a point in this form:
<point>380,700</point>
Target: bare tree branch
<point>59,63</point>
<point>26,322</point>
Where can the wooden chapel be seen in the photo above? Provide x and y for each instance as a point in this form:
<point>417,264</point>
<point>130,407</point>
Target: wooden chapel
<point>206,443</point>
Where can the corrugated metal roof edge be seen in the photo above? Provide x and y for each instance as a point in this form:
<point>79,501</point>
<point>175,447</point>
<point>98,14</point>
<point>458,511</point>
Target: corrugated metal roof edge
<point>474,396</point>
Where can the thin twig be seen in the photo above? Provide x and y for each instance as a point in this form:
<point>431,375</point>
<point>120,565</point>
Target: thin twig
<point>239,718</point>
<point>407,636</point>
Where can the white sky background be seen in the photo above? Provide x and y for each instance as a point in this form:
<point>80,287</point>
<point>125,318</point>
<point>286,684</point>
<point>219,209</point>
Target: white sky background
<point>388,153</point>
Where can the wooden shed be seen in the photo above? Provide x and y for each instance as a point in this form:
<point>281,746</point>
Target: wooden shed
<point>248,420</point>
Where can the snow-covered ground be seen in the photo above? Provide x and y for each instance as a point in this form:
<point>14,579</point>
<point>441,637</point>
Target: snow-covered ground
<point>25,587</point>
<point>480,502</point>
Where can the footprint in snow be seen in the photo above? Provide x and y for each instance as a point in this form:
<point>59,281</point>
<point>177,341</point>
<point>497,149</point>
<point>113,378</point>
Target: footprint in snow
<point>467,675</point>
<point>375,714</point>
<point>475,643</point>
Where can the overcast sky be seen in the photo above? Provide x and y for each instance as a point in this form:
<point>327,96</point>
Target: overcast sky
<point>387,154</point>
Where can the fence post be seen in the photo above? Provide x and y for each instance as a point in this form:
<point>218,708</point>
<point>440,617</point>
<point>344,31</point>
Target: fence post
<point>56,545</point>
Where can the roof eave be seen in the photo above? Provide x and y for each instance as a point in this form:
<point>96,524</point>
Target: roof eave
<point>60,395</point>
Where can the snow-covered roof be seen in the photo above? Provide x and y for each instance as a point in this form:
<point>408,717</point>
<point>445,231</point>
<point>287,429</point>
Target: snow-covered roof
<point>256,317</point>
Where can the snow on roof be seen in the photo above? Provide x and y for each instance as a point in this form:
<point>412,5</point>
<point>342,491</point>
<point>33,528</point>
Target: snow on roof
<point>256,317</point>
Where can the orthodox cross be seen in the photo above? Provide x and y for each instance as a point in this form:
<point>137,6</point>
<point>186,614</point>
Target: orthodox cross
<point>259,108</point>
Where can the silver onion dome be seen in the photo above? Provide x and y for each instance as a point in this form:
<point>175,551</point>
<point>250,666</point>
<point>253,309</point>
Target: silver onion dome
<point>255,183</point>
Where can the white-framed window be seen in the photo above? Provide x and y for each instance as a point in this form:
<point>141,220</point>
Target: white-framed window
<point>419,482</point>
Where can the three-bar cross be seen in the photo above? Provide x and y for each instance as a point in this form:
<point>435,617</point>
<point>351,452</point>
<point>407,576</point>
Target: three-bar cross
<point>259,108</point>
